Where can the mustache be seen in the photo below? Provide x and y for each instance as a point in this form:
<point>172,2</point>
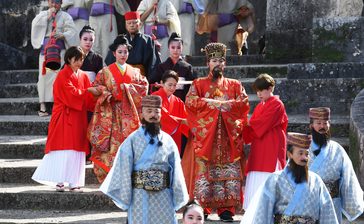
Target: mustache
<point>216,72</point>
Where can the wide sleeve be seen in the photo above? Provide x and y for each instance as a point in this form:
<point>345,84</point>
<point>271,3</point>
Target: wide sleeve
<point>271,116</point>
<point>351,193</point>
<point>68,29</point>
<point>239,104</point>
<point>261,209</point>
<point>121,6</point>
<point>118,183</point>
<point>39,29</point>
<point>327,210</point>
<point>178,184</point>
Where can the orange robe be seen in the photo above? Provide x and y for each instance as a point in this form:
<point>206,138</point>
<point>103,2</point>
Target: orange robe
<point>173,110</point>
<point>214,158</point>
<point>112,122</point>
<point>68,125</point>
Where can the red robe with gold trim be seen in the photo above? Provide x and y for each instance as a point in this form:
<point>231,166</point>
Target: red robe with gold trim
<point>68,125</point>
<point>173,110</point>
<point>214,158</point>
<point>112,122</point>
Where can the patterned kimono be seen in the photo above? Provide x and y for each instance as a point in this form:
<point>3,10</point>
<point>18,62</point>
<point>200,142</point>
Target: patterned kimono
<point>112,122</point>
<point>143,206</point>
<point>280,195</point>
<point>213,159</point>
<point>334,166</point>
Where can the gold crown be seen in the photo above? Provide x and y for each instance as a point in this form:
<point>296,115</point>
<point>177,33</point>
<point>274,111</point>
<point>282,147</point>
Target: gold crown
<point>215,50</point>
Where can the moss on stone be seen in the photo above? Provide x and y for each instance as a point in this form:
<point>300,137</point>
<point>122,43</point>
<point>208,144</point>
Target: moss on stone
<point>328,54</point>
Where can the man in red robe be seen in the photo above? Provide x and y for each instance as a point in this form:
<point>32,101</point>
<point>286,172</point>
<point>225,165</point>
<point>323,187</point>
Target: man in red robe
<point>217,110</point>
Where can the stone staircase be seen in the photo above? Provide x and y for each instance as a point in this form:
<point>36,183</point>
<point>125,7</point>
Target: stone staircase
<point>23,135</point>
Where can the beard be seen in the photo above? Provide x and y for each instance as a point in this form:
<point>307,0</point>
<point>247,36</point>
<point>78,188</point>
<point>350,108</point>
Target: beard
<point>320,139</point>
<point>153,129</point>
<point>216,73</point>
<point>300,173</point>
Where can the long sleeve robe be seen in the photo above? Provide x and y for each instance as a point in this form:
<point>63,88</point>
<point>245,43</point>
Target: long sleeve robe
<point>267,134</point>
<point>147,206</point>
<point>280,195</point>
<point>333,164</point>
<point>68,125</point>
<point>213,159</point>
<point>173,110</point>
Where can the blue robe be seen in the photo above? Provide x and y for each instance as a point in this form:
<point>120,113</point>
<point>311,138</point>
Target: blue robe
<point>333,164</point>
<point>281,195</point>
<point>147,206</point>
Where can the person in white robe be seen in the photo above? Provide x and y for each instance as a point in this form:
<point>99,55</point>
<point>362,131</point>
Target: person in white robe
<point>146,178</point>
<point>103,20</point>
<point>330,161</point>
<point>79,10</point>
<point>165,16</point>
<point>293,195</point>
<point>66,35</point>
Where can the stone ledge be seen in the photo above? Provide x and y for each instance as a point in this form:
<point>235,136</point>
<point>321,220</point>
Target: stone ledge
<point>356,152</point>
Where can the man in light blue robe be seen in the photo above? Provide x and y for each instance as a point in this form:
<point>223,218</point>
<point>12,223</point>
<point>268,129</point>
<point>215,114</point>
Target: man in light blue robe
<point>330,161</point>
<point>146,178</point>
<point>294,195</point>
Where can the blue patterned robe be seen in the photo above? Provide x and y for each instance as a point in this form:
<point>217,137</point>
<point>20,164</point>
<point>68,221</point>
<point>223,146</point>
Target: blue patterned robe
<point>332,164</point>
<point>281,195</point>
<point>147,206</point>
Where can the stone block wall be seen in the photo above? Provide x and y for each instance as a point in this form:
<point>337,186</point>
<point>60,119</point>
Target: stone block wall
<point>356,152</point>
<point>15,24</point>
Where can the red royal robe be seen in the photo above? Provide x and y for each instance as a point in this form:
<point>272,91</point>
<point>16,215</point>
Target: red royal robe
<point>267,134</point>
<point>173,110</point>
<point>68,126</point>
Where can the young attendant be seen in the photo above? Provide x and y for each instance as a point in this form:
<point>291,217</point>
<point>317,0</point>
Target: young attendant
<point>266,132</point>
<point>93,61</point>
<point>193,213</point>
<point>174,113</point>
<point>67,144</point>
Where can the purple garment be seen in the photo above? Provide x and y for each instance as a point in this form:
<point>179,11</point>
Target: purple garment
<point>186,8</point>
<point>100,8</point>
<point>226,19</point>
<point>78,13</point>
<point>162,30</point>
<point>59,43</point>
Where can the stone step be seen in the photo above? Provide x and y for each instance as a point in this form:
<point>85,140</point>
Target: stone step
<point>22,147</point>
<point>21,171</point>
<point>18,76</point>
<point>35,125</point>
<point>230,60</point>
<point>38,197</point>
<point>19,90</point>
<point>325,70</point>
<point>247,71</point>
<point>19,106</point>
<point>32,147</point>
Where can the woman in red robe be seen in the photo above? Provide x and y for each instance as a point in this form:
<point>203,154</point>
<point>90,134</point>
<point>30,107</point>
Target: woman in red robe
<point>174,113</point>
<point>67,144</point>
<point>119,89</point>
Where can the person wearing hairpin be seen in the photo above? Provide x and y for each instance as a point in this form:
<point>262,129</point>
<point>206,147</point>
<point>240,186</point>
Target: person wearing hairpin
<point>176,63</point>
<point>146,178</point>
<point>119,88</point>
<point>65,34</point>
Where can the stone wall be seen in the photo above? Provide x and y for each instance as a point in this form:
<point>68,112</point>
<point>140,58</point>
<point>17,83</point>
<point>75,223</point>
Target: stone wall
<point>356,152</point>
<point>15,24</point>
<point>289,25</point>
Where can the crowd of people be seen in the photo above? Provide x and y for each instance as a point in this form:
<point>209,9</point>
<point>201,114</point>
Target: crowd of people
<point>161,139</point>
